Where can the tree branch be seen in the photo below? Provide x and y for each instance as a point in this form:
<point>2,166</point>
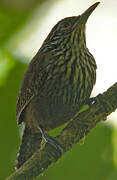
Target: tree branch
<point>76,129</point>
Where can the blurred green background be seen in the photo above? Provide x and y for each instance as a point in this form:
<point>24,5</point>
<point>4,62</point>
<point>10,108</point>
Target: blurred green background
<point>95,158</point>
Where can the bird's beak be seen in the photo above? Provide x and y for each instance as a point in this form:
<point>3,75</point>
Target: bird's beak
<point>82,19</point>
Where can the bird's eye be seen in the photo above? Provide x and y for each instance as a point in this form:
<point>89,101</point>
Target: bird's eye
<point>65,25</point>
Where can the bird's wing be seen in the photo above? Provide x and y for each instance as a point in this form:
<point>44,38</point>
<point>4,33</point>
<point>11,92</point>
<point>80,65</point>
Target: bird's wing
<point>33,81</point>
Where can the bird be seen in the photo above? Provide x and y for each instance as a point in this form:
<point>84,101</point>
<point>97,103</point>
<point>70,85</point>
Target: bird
<point>57,83</point>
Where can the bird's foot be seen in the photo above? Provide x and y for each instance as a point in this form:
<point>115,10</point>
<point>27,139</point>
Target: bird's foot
<point>104,104</point>
<point>53,142</point>
<point>91,101</point>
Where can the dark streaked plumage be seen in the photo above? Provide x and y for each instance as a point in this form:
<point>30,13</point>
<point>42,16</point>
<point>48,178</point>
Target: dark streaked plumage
<point>58,81</point>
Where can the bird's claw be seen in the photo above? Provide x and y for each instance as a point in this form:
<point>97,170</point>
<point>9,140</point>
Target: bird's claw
<point>104,104</point>
<point>53,143</point>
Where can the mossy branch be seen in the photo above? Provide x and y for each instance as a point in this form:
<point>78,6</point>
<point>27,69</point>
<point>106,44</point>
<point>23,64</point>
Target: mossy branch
<point>76,129</point>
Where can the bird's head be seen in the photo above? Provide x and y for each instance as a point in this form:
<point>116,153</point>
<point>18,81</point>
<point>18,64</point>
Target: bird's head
<point>69,27</point>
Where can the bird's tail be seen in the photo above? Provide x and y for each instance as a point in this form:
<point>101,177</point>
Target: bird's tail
<point>31,141</point>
